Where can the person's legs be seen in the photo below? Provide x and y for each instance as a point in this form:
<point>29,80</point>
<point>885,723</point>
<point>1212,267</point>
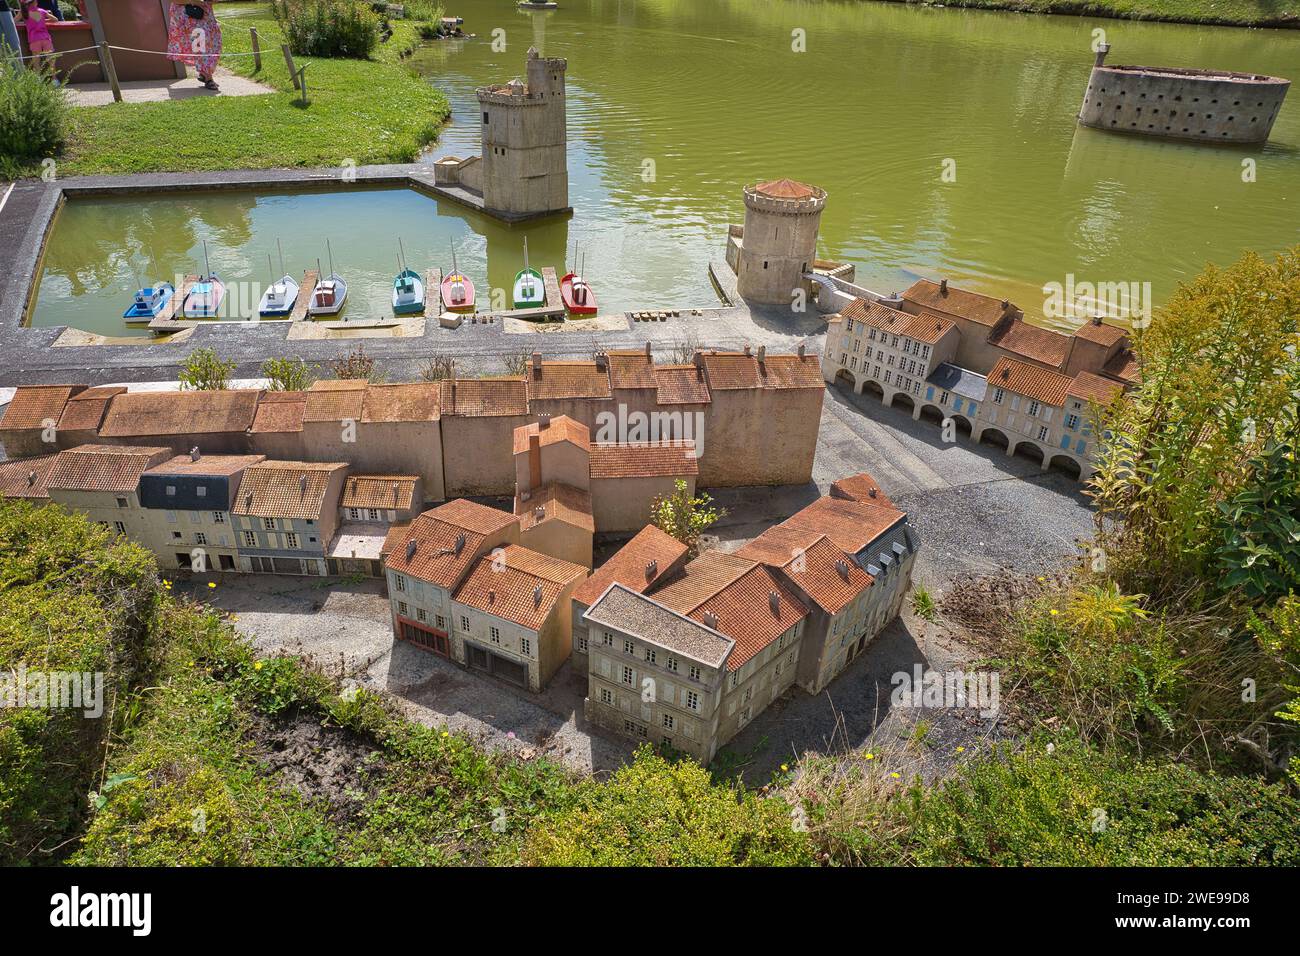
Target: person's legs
<point>43,59</point>
<point>9,32</point>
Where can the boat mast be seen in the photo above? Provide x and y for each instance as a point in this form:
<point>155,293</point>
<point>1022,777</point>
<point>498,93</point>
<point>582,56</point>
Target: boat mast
<point>401,250</point>
<point>206,268</point>
<point>281,251</point>
<point>454,270</point>
<point>329,252</point>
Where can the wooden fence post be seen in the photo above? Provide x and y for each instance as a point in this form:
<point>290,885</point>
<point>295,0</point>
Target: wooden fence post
<point>288,61</point>
<point>110,72</point>
<point>257,50</point>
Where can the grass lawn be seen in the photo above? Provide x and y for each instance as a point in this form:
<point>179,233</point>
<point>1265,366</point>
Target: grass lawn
<point>368,111</point>
<point>1229,12</point>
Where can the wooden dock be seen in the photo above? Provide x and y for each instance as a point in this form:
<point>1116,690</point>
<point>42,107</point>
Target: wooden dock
<point>305,288</point>
<point>165,321</point>
<point>552,284</point>
<point>433,291</point>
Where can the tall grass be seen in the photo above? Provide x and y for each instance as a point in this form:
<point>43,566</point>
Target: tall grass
<point>33,118</point>
<point>329,28</point>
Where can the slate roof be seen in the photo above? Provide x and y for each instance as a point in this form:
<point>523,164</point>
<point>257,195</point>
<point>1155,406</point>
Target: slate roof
<point>623,609</point>
<point>959,381</point>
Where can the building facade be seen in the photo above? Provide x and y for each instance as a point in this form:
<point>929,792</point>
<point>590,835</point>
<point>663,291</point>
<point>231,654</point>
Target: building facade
<point>285,515</point>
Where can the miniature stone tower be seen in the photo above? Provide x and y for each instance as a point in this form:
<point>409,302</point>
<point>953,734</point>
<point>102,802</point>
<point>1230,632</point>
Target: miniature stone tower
<point>525,142</point>
<point>779,243</point>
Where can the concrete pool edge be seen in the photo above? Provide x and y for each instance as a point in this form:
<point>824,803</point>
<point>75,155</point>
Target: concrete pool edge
<point>57,354</point>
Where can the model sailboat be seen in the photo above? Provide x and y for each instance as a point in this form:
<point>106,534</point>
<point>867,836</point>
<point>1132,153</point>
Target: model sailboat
<point>408,289</point>
<point>328,296</point>
<point>457,290</point>
<point>279,298</point>
<point>203,301</point>
<point>530,291</point>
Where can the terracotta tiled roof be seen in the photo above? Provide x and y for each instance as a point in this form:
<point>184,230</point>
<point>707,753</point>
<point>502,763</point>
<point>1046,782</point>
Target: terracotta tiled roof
<point>103,467</point>
<point>1094,388</point>
<point>561,428</point>
<point>379,491</point>
<point>629,566</point>
<point>700,580</point>
<point>927,327</point>
<point>280,412</point>
<point>413,402</point>
<point>1100,332</point>
<point>1032,342</point>
<point>753,610</point>
<point>518,585</point>
<point>339,385</point>
<point>728,370</point>
<point>558,502</point>
<point>550,380</point>
<point>484,397</point>
<point>436,557</point>
<point>207,465</point>
<point>335,401</point>
<point>791,371</point>
<point>785,189</point>
<point>397,532</point>
<point>25,477</point>
<point>632,370</point>
<point>851,525</point>
<point>179,413</point>
<point>669,458</point>
<point>826,574</point>
<point>34,405</point>
<point>860,487</point>
<point>681,385</point>
<point>287,489</point>
<point>1123,365</point>
<point>85,410</point>
<point>974,306</point>
<point>1029,380</point>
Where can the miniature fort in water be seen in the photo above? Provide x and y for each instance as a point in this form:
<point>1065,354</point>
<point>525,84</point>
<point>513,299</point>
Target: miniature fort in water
<point>1207,105</point>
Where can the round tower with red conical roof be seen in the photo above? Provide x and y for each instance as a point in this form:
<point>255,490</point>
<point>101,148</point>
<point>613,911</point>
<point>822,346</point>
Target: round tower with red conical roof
<point>779,243</point>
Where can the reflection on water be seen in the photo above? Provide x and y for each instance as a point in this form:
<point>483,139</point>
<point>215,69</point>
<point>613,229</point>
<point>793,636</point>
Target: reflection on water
<point>675,104</point>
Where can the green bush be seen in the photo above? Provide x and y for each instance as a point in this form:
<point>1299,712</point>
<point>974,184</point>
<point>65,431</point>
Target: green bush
<point>33,118</point>
<point>659,813</point>
<point>1077,806</point>
<point>329,28</point>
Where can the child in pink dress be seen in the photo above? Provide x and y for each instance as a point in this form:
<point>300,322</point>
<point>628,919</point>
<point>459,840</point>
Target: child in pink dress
<point>39,41</point>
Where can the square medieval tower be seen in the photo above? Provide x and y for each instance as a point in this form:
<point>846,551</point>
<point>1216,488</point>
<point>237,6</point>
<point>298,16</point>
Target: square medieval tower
<point>525,142</point>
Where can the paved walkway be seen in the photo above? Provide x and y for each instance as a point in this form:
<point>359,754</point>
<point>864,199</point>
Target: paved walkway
<point>147,91</point>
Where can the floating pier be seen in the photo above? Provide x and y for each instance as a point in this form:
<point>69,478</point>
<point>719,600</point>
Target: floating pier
<point>433,291</point>
<point>305,288</point>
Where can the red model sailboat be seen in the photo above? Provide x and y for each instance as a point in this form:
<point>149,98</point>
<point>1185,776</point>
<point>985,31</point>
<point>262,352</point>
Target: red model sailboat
<point>457,289</point>
<point>577,295</point>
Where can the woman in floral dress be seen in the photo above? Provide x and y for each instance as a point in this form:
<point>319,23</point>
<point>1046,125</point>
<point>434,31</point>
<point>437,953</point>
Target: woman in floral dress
<point>195,40</point>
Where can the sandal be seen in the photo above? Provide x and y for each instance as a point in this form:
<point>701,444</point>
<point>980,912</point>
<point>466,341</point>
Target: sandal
<point>210,85</point>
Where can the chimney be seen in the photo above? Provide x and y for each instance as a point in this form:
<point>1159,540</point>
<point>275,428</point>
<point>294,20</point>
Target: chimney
<point>602,361</point>
<point>842,567</point>
<point>774,602</point>
<point>544,420</point>
<point>802,349</point>
<point>539,512</point>
<point>534,461</point>
<point>943,286</point>
<point>647,351</point>
<point>537,595</point>
<point>492,595</point>
<point>699,360</point>
<point>710,620</point>
<point>651,567</point>
<point>194,453</point>
<point>537,365</point>
<point>871,492</point>
<point>460,543</point>
<point>31,478</point>
<point>410,549</point>
<point>747,351</point>
<point>302,484</point>
<point>396,493</point>
<point>762,354</point>
<point>1096,319</point>
<point>1006,304</point>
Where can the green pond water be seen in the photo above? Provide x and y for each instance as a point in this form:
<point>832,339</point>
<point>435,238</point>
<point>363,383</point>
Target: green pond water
<point>675,104</point>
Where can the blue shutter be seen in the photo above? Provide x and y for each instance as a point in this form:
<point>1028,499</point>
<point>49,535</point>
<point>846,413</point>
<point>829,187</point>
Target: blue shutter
<point>929,393</point>
<point>1080,445</point>
<point>956,404</point>
<point>1065,441</point>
